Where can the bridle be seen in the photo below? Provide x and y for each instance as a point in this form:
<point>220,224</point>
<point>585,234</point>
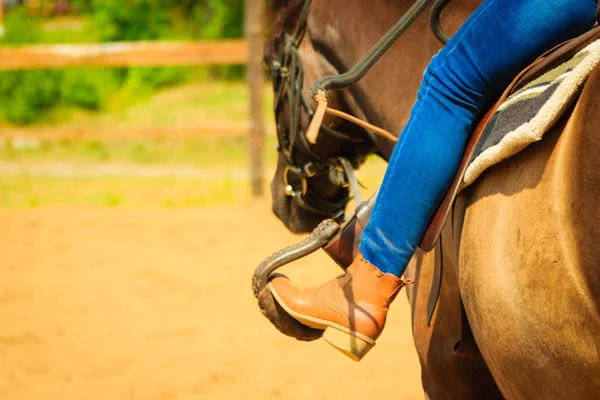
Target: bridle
<point>288,80</point>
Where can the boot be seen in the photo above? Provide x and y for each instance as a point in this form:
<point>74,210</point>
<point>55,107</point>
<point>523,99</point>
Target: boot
<point>352,308</point>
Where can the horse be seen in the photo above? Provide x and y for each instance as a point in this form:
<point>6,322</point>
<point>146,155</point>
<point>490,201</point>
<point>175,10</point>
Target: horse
<point>520,283</point>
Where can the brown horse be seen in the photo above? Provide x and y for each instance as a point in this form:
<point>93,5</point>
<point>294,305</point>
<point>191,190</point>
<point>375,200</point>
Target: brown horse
<point>528,279</point>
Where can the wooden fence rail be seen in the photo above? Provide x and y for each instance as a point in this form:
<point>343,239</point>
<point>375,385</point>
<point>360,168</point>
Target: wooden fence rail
<point>124,54</point>
<point>210,129</point>
<point>161,53</point>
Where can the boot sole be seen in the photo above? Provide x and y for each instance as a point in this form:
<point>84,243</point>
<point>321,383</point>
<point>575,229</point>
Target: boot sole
<point>351,343</point>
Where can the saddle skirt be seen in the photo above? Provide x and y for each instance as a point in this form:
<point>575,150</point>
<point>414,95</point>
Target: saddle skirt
<point>528,113</point>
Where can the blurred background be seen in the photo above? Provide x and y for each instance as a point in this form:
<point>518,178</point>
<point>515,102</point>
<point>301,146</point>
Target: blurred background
<point>128,226</point>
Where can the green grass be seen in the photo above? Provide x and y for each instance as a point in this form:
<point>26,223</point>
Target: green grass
<point>191,104</point>
<point>68,29</point>
<point>227,152</point>
<point>194,104</point>
<point>25,191</point>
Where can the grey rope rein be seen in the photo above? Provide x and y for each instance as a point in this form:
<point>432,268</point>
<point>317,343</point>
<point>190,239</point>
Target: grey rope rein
<point>434,20</point>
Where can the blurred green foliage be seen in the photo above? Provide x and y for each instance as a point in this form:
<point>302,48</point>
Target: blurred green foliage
<point>26,95</point>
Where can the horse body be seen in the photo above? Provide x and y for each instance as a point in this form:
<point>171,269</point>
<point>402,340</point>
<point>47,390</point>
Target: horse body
<point>528,270</point>
<point>522,248</point>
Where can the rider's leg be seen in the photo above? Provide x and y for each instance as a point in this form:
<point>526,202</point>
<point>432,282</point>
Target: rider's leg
<point>497,41</point>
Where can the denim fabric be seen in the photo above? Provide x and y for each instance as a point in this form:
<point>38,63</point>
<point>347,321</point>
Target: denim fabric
<point>497,41</point>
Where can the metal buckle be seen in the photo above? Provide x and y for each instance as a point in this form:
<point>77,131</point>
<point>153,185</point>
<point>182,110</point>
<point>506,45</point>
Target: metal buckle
<point>310,169</point>
<point>289,190</point>
<point>337,176</point>
<point>284,72</point>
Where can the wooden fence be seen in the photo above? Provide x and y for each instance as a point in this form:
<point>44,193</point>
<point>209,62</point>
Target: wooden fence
<point>124,54</point>
<point>152,54</point>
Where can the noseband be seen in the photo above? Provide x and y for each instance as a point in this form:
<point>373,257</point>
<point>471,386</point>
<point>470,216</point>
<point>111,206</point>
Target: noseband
<point>288,80</point>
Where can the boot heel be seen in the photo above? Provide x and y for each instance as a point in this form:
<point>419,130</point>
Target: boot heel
<point>352,346</point>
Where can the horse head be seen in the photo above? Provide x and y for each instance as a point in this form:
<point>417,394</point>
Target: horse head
<point>309,183</point>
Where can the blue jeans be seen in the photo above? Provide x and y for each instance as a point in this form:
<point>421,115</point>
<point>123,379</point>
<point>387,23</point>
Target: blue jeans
<point>497,41</point>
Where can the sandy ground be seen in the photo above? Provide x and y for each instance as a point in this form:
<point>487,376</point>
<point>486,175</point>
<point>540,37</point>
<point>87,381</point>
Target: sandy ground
<point>156,304</point>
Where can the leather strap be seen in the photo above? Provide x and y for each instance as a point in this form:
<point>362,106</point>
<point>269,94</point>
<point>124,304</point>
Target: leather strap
<point>436,281</point>
<point>315,125</point>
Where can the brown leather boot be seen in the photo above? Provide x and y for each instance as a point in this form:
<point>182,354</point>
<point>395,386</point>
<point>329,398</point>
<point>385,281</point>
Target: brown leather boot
<point>351,308</point>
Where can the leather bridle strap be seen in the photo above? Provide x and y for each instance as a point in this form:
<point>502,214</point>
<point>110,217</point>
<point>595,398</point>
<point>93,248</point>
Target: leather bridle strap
<point>352,181</point>
<point>288,83</point>
<point>313,129</point>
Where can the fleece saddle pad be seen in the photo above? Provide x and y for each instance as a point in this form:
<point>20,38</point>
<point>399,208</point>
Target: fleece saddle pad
<point>526,115</point>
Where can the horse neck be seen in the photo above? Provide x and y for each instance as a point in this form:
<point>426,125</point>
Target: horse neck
<point>342,31</point>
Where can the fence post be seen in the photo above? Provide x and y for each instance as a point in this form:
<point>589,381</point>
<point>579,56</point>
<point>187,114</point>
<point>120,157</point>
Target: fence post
<point>254,15</point>
<point>2,30</point>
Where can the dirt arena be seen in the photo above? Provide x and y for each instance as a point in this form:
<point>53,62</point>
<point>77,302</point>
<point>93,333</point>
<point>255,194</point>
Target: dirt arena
<point>156,304</point>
